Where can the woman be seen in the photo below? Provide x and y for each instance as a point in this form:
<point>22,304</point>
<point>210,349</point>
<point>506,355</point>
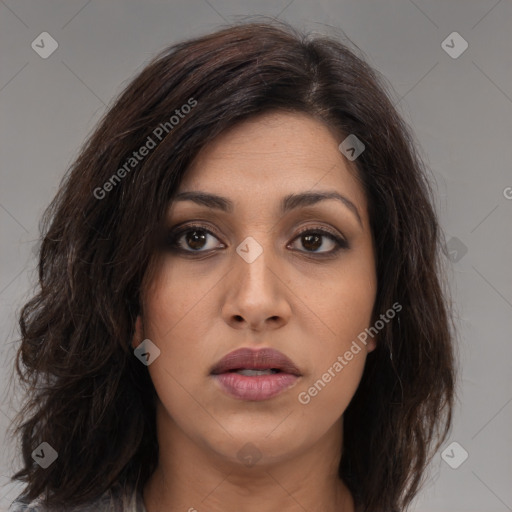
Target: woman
<point>242,303</point>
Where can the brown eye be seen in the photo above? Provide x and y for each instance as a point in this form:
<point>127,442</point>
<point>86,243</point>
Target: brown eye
<point>312,240</point>
<point>193,239</point>
<point>199,239</point>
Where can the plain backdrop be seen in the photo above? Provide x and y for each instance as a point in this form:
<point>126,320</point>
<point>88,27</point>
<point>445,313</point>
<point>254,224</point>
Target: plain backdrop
<point>458,104</point>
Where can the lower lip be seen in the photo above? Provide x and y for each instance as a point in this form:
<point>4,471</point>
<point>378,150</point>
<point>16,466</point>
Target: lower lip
<point>258,387</point>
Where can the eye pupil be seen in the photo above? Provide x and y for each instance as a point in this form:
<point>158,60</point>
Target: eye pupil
<point>194,236</point>
<point>309,238</point>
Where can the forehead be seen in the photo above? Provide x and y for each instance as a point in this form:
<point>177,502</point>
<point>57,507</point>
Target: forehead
<point>271,156</point>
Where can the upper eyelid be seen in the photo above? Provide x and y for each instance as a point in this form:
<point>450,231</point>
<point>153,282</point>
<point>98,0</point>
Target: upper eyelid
<point>183,227</point>
<point>179,230</point>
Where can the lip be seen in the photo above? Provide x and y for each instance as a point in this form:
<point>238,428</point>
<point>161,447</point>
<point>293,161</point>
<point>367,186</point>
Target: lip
<point>258,387</point>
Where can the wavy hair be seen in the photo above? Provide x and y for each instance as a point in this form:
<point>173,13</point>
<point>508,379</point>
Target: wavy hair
<point>86,393</point>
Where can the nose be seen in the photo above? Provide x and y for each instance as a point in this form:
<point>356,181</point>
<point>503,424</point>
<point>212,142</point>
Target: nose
<point>256,297</point>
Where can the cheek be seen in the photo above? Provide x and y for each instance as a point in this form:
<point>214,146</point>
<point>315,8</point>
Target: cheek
<point>167,313</point>
<point>174,304</point>
<point>174,372</point>
<point>325,398</point>
<point>176,297</point>
<point>338,359</point>
<point>345,306</point>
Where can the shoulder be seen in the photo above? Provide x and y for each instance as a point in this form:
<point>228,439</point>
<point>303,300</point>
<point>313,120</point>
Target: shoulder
<point>114,499</point>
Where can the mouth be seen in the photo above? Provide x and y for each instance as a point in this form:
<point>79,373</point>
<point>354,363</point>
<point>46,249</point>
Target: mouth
<point>255,375</point>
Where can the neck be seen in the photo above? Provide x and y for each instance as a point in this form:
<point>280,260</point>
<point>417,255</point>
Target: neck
<point>191,477</point>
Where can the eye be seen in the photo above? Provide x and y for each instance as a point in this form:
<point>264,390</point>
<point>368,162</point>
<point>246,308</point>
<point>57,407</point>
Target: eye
<point>312,240</point>
<point>195,238</point>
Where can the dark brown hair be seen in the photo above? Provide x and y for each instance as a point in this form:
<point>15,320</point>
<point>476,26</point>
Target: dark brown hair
<point>92,400</point>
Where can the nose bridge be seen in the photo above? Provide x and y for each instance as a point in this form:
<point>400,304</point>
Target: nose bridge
<point>252,264</point>
<point>255,294</point>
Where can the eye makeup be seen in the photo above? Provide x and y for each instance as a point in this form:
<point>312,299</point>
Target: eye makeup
<point>176,240</point>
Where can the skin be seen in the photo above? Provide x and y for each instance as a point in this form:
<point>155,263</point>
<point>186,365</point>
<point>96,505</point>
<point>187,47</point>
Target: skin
<point>198,309</point>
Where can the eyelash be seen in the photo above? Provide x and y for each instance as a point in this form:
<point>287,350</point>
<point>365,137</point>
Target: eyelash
<point>174,236</point>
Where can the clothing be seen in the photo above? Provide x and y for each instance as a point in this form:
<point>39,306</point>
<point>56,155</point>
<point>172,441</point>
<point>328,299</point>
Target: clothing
<point>114,499</point>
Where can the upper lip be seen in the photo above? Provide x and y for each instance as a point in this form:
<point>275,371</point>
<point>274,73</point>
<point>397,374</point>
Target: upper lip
<point>251,359</point>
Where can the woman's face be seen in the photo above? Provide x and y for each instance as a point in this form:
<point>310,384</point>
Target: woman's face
<point>255,282</point>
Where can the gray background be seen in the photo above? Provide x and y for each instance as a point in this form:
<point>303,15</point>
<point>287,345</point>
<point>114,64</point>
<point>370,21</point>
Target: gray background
<point>460,110</point>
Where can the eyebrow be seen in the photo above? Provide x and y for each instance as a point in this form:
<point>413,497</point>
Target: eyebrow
<point>288,203</point>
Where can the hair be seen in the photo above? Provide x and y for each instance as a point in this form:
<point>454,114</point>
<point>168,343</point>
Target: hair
<point>86,393</point>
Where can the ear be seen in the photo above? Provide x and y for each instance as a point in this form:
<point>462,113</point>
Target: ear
<point>371,345</point>
<point>138,335</point>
